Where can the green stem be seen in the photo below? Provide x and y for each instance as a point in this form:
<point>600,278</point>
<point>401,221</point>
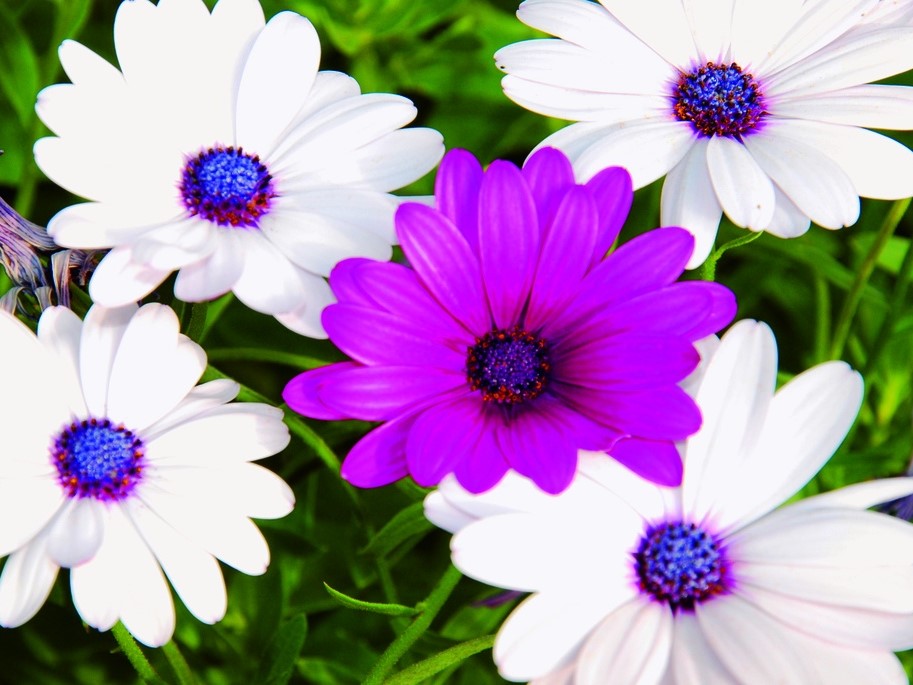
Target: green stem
<point>441,661</point>
<point>178,663</point>
<point>254,354</point>
<point>901,287</point>
<point>215,309</point>
<point>707,272</point>
<point>135,655</point>
<point>430,608</point>
<point>822,317</point>
<point>851,304</point>
<point>197,320</point>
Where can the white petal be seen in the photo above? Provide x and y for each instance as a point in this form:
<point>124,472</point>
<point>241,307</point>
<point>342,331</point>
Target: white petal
<point>269,282</point>
<point>645,498</point>
<point>646,150</point>
<point>84,67</point>
<point>688,200</point>
<point>26,582</point>
<point>835,664</point>
<point>96,225</point>
<point>102,332</point>
<point>735,392</point>
<point>329,87</point>
<point>175,244</point>
<point>77,532</point>
<point>743,189</point>
<point>197,402</point>
<point>816,184</point>
<point>59,330</point>
<point>154,369</point>
<point>27,504</point>
<point>788,220</point>
<point>514,493</point>
<point>443,514</point>
<point>369,210</point>
<point>194,573</point>
<point>545,631</point>
<point>118,280</point>
<point>305,320</point>
<point>215,275</point>
<point>670,37</point>
<point>270,93</point>
<point>872,106</point>
<point>563,676</point>
<point>758,27</point>
<point>693,661</point>
<point>711,28</point>
<point>860,495</point>
<point>631,645</point>
<point>878,166</point>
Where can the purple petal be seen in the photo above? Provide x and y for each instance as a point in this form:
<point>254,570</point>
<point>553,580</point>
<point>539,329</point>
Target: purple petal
<point>398,290</point>
<point>381,393</point>
<point>441,436</point>
<point>564,258</point>
<point>445,264</point>
<point>456,191</point>
<point>657,461</point>
<point>508,241</point>
<point>379,458</point>
<point>302,393</point>
<point>538,447</point>
<point>375,337</point>
<point>549,175</point>
<point>612,190</point>
<point>484,464</point>
<point>665,413</point>
<point>346,283</point>
<point>626,363</point>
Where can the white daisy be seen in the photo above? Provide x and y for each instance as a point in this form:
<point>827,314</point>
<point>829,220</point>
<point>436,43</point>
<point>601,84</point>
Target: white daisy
<point>704,584</point>
<point>220,152</point>
<point>751,108</point>
<point>113,464</point>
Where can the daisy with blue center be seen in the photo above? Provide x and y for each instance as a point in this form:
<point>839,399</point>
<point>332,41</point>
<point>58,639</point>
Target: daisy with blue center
<point>748,110</point>
<point>511,341</point>
<point>116,465</point>
<point>709,582</point>
<point>218,151</point>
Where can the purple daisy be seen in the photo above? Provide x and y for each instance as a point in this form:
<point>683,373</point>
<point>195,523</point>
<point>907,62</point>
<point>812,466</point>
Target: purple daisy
<point>511,342</point>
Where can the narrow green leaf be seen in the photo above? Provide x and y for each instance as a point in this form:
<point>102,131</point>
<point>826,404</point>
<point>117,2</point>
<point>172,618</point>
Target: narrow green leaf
<point>278,662</point>
<point>406,524</point>
<point>373,607</point>
<point>441,661</point>
<point>19,66</point>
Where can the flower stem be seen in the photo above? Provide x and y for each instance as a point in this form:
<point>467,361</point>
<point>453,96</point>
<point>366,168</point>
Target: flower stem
<point>851,304</point>
<point>135,655</point>
<point>441,661</point>
<point>430,608</point>
<point>178,663</point>
<point>707,272</point>
<point>901,287</point>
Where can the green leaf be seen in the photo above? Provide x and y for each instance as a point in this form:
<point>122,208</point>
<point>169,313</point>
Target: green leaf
<point>373,607</point>
<point>278,662</point>
<point>441,661</point>
<point>406,524</point>
<point>19,66</point>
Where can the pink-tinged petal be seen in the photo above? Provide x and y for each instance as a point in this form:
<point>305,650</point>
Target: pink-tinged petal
<point>456,190</point>
<point>441,436</point>
<point>381,393</point>
<point>612,190</point>
<point>303,392</point>
<point>27,578</point>
<point>657,461</point>
<point>564,258</point>
<point>539,447</point>
<point>445,263</point>
<point>346,283</point>
<point>483,466</point>
<point>549,175</point>
<point>693,660</point>
<point>379,458</point>
<point>509,239</point>
<point>375,337</point>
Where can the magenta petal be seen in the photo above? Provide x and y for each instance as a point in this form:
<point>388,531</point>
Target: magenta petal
<point>346,284</point>
<point>537,446</point>
<point>456,191</point>
<point>656,460</point>
<point>302,393</point>
<point>613,192</point>
<point>445,264</point>
<point>484,464</point>
<point>379,458</point>
<point>375,337</point>
<point>549,175</point>
<point>381,393</point>
<point>441,436</point>
<point>564,258</point>
<point>508,241</point>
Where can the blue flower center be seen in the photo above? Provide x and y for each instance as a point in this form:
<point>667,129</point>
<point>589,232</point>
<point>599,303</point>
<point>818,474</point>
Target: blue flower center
<point>227,186</point>
<point>96,458</point>
<point>508,366</point>
<point>681,564</point>
<point>719,100</point>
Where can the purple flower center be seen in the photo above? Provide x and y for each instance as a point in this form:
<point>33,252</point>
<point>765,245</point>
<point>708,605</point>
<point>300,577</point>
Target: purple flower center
<point>227,186</point>
<point>719,100</point>
<point>681,564</point>
<point>96,458</point>
<point>508,366</point>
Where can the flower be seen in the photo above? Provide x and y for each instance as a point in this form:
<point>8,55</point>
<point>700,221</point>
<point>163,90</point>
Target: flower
<point>114,465</point>
<point>511,343</point>
<point>220,152</point>
<point>706,583</point>
<point>750,112</point>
